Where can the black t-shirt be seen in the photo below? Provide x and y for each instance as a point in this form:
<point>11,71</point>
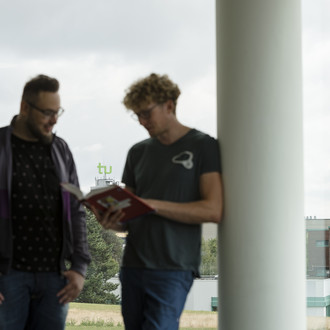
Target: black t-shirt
<point>171,173</point>
<point>36,208</point>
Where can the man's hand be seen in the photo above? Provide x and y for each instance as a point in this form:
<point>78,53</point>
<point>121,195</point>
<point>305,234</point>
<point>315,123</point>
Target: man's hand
<point>73,288</point>
<point>2,298</point>
<point>110,219</point>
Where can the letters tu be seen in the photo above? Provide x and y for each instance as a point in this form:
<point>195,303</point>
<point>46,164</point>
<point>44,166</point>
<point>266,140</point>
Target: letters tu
<point>100,167</point>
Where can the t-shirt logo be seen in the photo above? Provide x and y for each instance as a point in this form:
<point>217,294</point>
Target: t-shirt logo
<point>184,158</point>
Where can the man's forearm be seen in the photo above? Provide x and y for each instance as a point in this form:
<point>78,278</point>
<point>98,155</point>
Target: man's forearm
<point>191,213</point>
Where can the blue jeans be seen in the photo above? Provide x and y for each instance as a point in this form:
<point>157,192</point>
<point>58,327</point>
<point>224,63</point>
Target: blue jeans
<point>153,299</point>
<point>31,302</point>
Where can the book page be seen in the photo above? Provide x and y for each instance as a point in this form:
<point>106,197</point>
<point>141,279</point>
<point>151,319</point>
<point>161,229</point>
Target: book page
<point>71,188</point>
<point>110,201</point>
<point>100,190</point>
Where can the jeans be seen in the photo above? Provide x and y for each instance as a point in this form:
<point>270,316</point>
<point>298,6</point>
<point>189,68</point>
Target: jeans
<point>30,301</point>
<point>153,299</point>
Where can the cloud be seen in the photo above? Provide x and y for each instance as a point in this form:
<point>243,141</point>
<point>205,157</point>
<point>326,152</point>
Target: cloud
<point>89,148</point>
<point>144,30</point>
<point>98,48</point>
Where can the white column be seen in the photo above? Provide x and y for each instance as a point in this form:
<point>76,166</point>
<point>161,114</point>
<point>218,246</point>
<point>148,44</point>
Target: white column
<point>262,236</point>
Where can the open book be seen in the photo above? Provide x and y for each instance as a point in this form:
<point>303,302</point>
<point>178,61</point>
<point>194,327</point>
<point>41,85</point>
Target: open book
<point>119,198</point>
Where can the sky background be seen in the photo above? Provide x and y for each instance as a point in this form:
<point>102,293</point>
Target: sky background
<point>316,92</point>
<point>96,49</point>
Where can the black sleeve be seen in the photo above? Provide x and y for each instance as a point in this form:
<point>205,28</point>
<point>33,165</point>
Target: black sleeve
<point>210,156</point>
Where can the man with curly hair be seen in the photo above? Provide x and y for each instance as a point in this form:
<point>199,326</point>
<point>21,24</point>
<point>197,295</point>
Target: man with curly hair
<point>177,172</point>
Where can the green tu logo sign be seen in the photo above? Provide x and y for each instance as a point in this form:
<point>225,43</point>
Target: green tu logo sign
<point>100,167</point>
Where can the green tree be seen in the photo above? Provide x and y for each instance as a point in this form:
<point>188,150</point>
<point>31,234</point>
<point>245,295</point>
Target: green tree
<point>114,244</point>
<point>209,262</point>
<point>106,250</point>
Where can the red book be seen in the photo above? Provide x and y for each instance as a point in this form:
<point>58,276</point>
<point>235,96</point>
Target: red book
<point>113,195</point>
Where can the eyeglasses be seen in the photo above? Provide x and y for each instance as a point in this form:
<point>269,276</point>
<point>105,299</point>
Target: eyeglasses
<point>47,112</point>
<point>144,114</point>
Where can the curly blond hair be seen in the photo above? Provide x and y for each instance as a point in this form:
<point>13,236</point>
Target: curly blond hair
<point>154,88</point>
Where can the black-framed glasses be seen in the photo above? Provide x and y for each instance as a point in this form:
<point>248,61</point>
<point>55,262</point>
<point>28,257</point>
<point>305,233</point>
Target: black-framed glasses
<point>144,114</point>
<point>47,112</point>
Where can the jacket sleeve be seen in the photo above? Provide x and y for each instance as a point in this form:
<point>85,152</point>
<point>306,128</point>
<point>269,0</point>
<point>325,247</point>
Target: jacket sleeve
<point>75,246</point>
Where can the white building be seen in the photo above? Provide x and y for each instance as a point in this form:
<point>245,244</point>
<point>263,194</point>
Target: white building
<point>318,297</point>
<point>202,296</point>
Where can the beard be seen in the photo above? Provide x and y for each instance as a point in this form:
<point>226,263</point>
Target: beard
<point>44,139</point>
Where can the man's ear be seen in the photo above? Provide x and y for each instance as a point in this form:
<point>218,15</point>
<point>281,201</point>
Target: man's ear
<point>170,106</point>
<point>24,109</point>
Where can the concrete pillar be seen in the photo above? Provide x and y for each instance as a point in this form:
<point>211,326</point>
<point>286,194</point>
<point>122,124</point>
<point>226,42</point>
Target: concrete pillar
<point>262,236</point>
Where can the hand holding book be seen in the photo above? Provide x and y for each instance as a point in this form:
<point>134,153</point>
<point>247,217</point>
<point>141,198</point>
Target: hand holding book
<point>110,199</point>
<point>111,219</point>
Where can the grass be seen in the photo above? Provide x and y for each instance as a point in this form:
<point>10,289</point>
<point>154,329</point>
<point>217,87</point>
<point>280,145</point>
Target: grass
<point>85,327</point>
<point>95,307</point>
<point>97,316</point>
<point>93,327</point>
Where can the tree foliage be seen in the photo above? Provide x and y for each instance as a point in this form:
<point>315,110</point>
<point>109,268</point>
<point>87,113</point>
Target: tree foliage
<point>106,251</point>
<point>209,262</point>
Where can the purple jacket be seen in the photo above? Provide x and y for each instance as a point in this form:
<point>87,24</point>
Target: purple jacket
<point>74,246</point>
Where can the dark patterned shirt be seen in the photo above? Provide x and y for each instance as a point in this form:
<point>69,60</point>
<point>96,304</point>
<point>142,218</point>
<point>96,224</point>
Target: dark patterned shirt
<point>36,208</point>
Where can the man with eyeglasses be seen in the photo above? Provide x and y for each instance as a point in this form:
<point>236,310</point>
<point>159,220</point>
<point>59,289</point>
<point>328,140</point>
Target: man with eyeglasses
<point>177,172</point>
<point>41,226</point>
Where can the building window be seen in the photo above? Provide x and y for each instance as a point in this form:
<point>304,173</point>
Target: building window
<point>322,243</point>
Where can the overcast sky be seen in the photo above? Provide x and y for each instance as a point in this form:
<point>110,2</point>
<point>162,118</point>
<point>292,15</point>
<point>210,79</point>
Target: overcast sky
<point>316,60</point>
<point>96,49</point>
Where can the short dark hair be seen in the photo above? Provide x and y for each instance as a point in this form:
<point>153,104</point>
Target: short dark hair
<point>40,83</point>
